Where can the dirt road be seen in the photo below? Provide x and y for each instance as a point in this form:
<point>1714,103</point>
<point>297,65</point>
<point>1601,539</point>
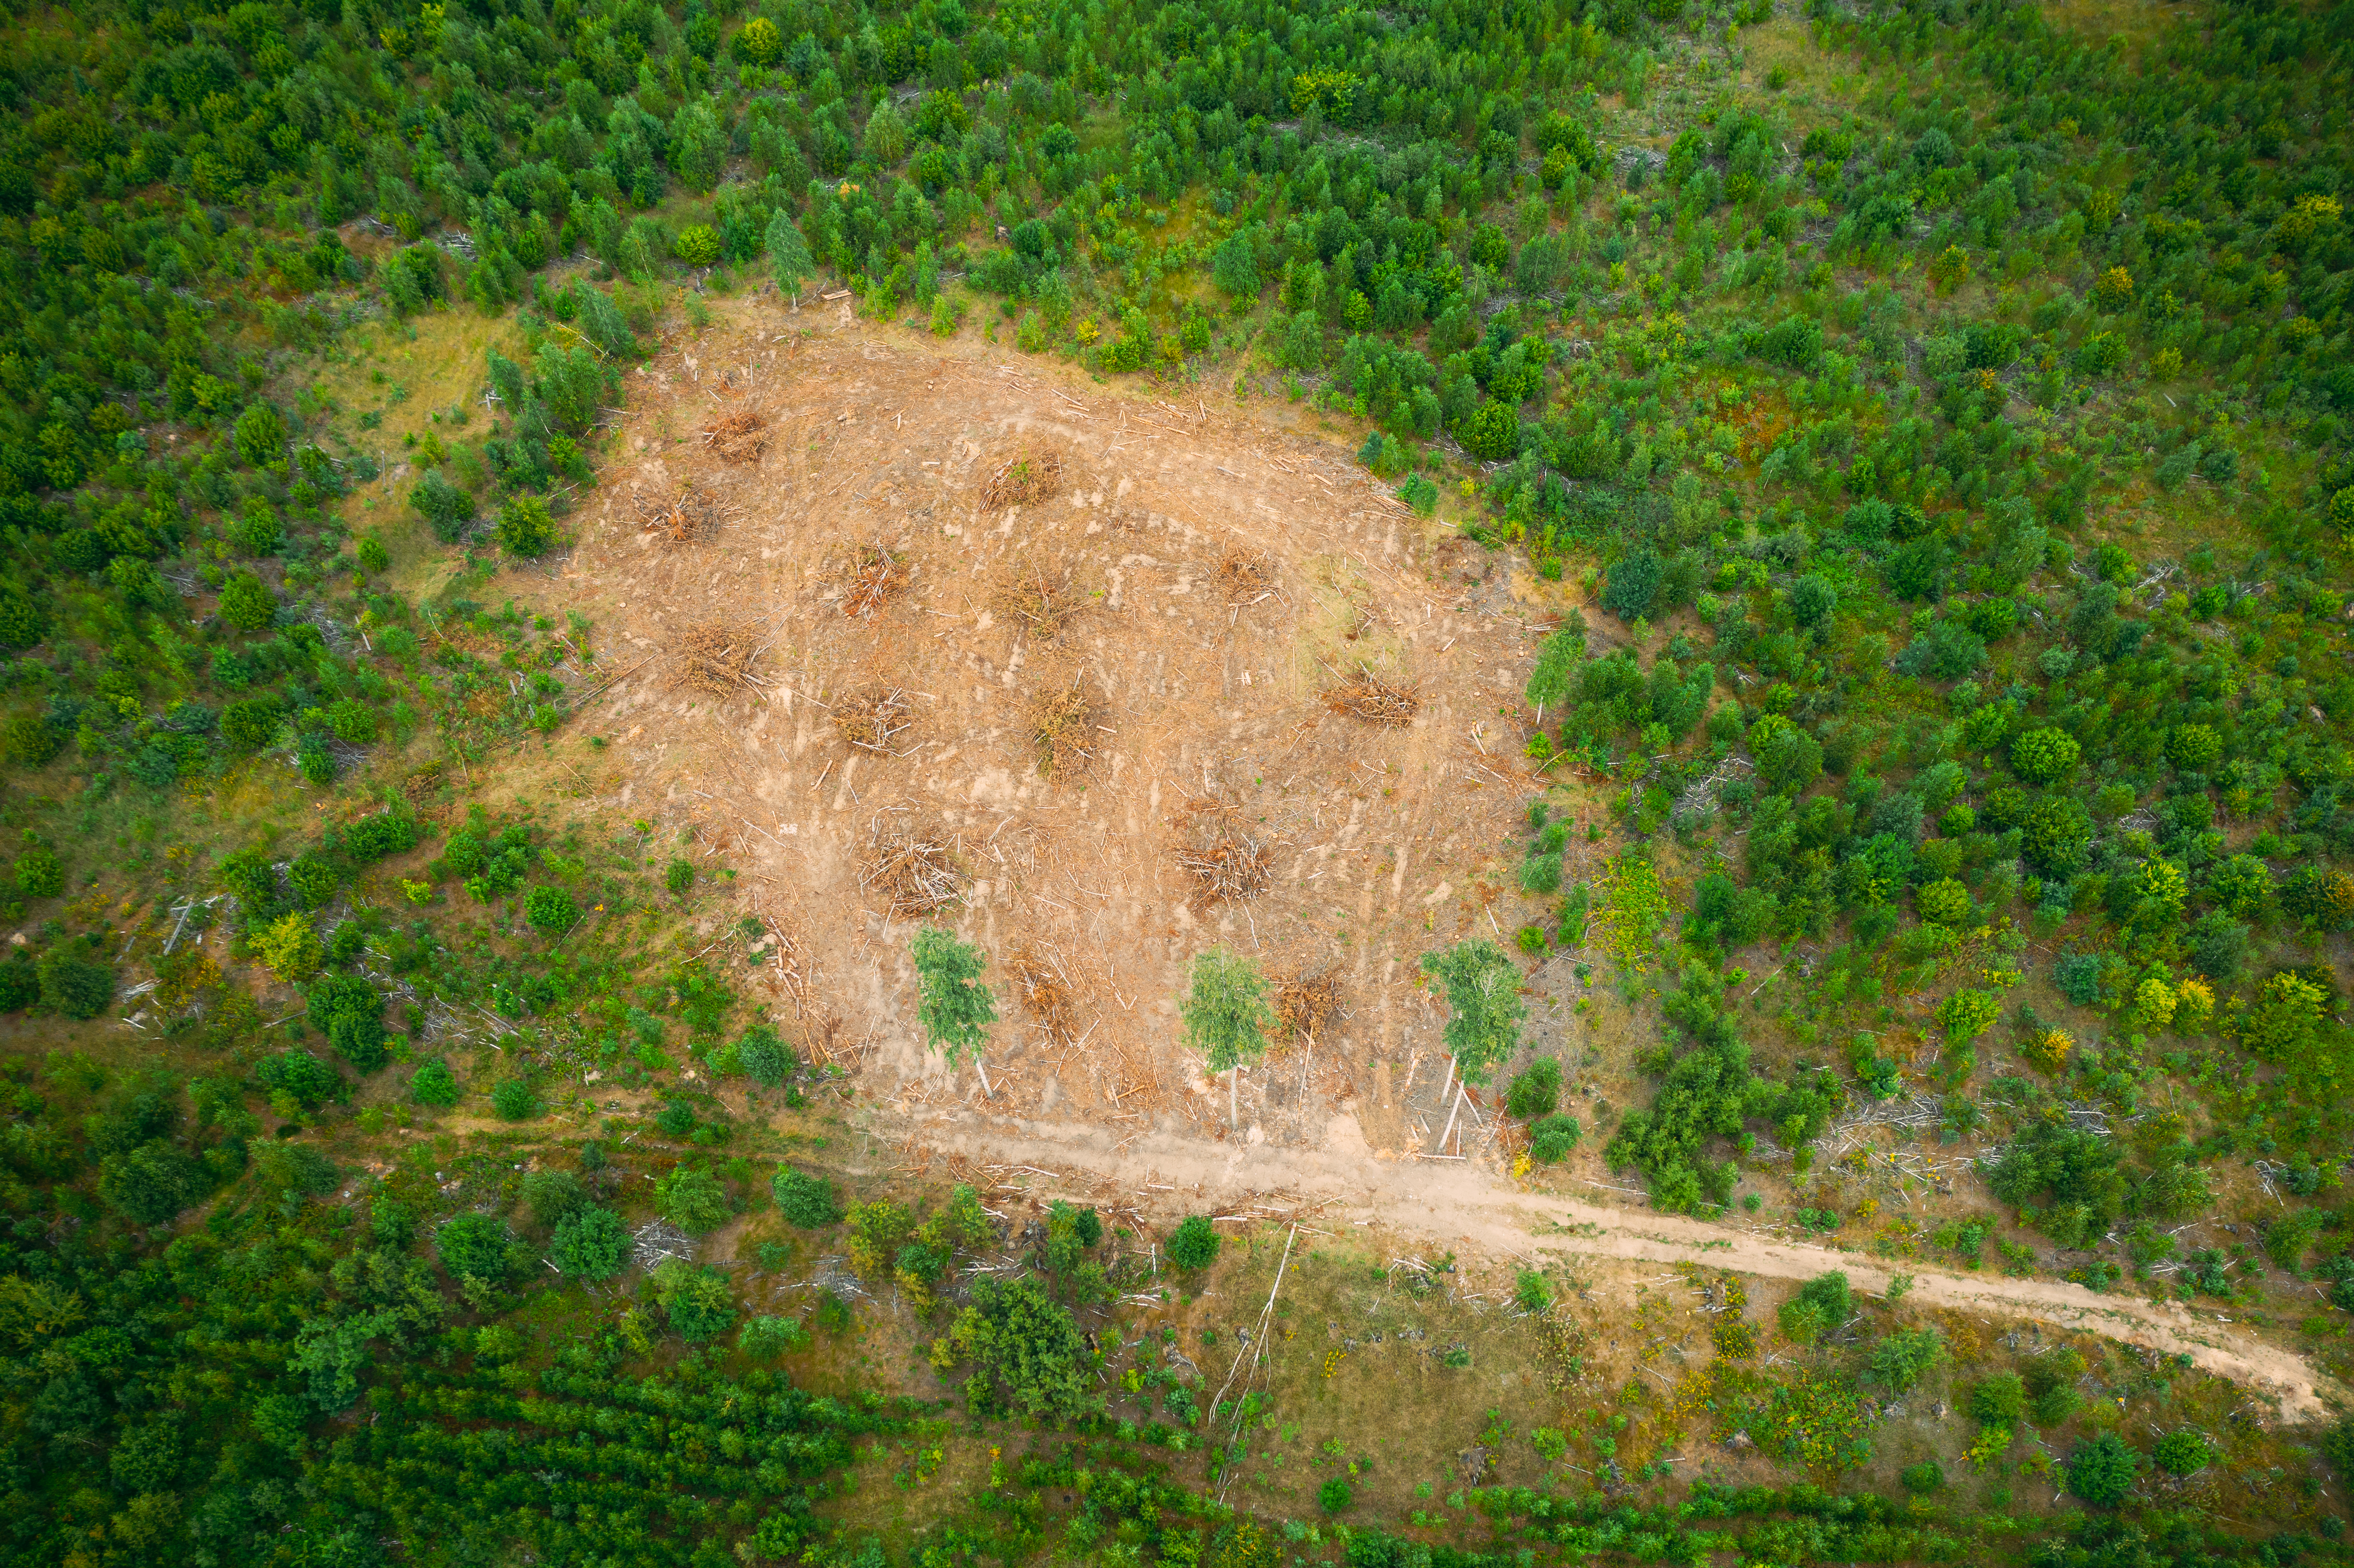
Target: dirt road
<point>1467,1206</point>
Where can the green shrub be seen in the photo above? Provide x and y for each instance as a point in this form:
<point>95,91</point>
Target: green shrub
<point>525,526</point>
<point>765,1059</point>
<point>696,1302</point>
<point>74,988</point>
<point>1491,431</point>
<point>550,911</point>
<point>1899,1360</point>
<point>2102,1472</point>
<point>1536,1091</point>
<point>475,1246</point>
<point>433,1084</point>
<point>1532,1292</point>
<point>2183,1454</point>
<point>803,1199</point>
<point>590,1243</point>
<point>697,245</point>
<point>1925,1477</point>
<point>445,508</point>
<point>1334,1496</point>
<point>2043,756</point>
<point>247,603</point>
<point>692,1199</point>
<point>29,740</point>
<point>1194,1243</point>
<point>513,1100</point>
<point>2000,1401</point>
<point>768,1338</point>
<point>1551,1138</point>
<point>40,875</point>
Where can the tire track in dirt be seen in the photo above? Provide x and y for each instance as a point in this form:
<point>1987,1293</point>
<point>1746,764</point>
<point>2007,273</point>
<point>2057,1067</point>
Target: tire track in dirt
<point>1465,1205</point>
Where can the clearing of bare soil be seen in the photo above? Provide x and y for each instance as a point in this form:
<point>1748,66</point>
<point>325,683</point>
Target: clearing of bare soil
<point>1101,682</point>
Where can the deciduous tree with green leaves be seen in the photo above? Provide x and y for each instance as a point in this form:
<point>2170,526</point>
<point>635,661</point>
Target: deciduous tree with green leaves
<point>1484,1010</point>
<point>1227,1017</point>
<point>955,1007</point>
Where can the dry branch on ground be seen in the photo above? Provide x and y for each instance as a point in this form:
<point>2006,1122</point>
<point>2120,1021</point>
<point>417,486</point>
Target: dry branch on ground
<point>739,437</point>
<point>915,871</point>
<point>717,657</point>
<point>1063,727</point>
<point>682,519</point>
<point>1023,482</point>
<point>1304,1002</point>
<point>1044,995</point>
<point>1366,695</point>
<point>874,575</point>
<point>869,719</point>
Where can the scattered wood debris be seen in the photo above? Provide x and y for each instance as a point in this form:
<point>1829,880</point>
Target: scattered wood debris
<point>1304,1002</point>
<point>717,657</point>
<point>1044,995</point>
<point>1063,727</point>
<point>916,873</point>
<point>1023,482</point>
<point>1244,574</point>
<point>683,519</point>
<point>869,719</point>
<point>875,574</point>
<point>739,437</point>
<point>1367,697</point>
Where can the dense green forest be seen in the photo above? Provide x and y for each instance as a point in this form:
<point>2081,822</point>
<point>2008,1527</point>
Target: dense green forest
<point>1954,444</point>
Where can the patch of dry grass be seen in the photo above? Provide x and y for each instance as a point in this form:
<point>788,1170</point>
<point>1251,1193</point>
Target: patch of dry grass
<point>872,578</point>
<point>1063,729</point>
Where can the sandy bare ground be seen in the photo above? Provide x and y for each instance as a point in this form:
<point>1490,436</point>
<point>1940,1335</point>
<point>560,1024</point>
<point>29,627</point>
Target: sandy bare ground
<point>1468,1204</point>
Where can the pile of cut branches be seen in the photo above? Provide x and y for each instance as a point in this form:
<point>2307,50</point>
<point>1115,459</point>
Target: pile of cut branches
<point>1044,995</point>
<point>739,437</point>
<point>683,519</point>
<point>717,657</point>
<point>1039,605</point>
<point>873,576</point>
<point>1224,859</point>
<point>916,873</point>
<point>1304,1002</point>
<point>869,719</point>
<point>1024,481</point>
<point>1063,727</point>
<point>1244,574</point>
<point>1367,697</point>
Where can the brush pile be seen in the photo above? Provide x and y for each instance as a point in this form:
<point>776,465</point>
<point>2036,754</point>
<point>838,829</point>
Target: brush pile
<point>869,719</point>
<point>1039,605</point>
<point>1367,697</point>
<point>1023,482</point>
<point>1063,727</point>
<point>686,517</point>
<point>715,658</point>
<point>1044,995</point>
<point>1225,862</point>
<point>1244,575</point>
<point>1304,1002</point>
<point>739,437</point>
<point>874,576</point>
<point>915,873</point>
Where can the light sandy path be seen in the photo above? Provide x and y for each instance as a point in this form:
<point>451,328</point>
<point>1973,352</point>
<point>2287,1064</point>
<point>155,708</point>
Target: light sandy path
<point>1465,1205</point>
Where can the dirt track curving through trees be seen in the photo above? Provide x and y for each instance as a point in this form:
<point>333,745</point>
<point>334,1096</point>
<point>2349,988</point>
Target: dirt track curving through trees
<point>1466,1205</point>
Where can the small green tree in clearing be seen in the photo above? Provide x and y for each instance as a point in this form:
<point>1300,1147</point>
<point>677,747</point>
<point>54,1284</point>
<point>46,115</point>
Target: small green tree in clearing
<point>1194,1243</point>
<point>1484,1008</point>
<point>955,1007</point>
<point>1227,1017</point>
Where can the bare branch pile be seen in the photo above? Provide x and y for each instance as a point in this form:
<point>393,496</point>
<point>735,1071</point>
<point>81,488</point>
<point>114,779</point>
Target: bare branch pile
<point>869,719</point>
<point>686,517</point>
<point>1041,606</point>
<point>1226,862</point>
<point>1367,697</point>
<point>1044,995</point>
<point>917,874</point>
<point>875,574</point>
<point>1063,726</point>
<point>1244,574</point>
<point>1304,1002</point>
<point>717,657</point>
<point>1024,481</point>
<point>739,437</point>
